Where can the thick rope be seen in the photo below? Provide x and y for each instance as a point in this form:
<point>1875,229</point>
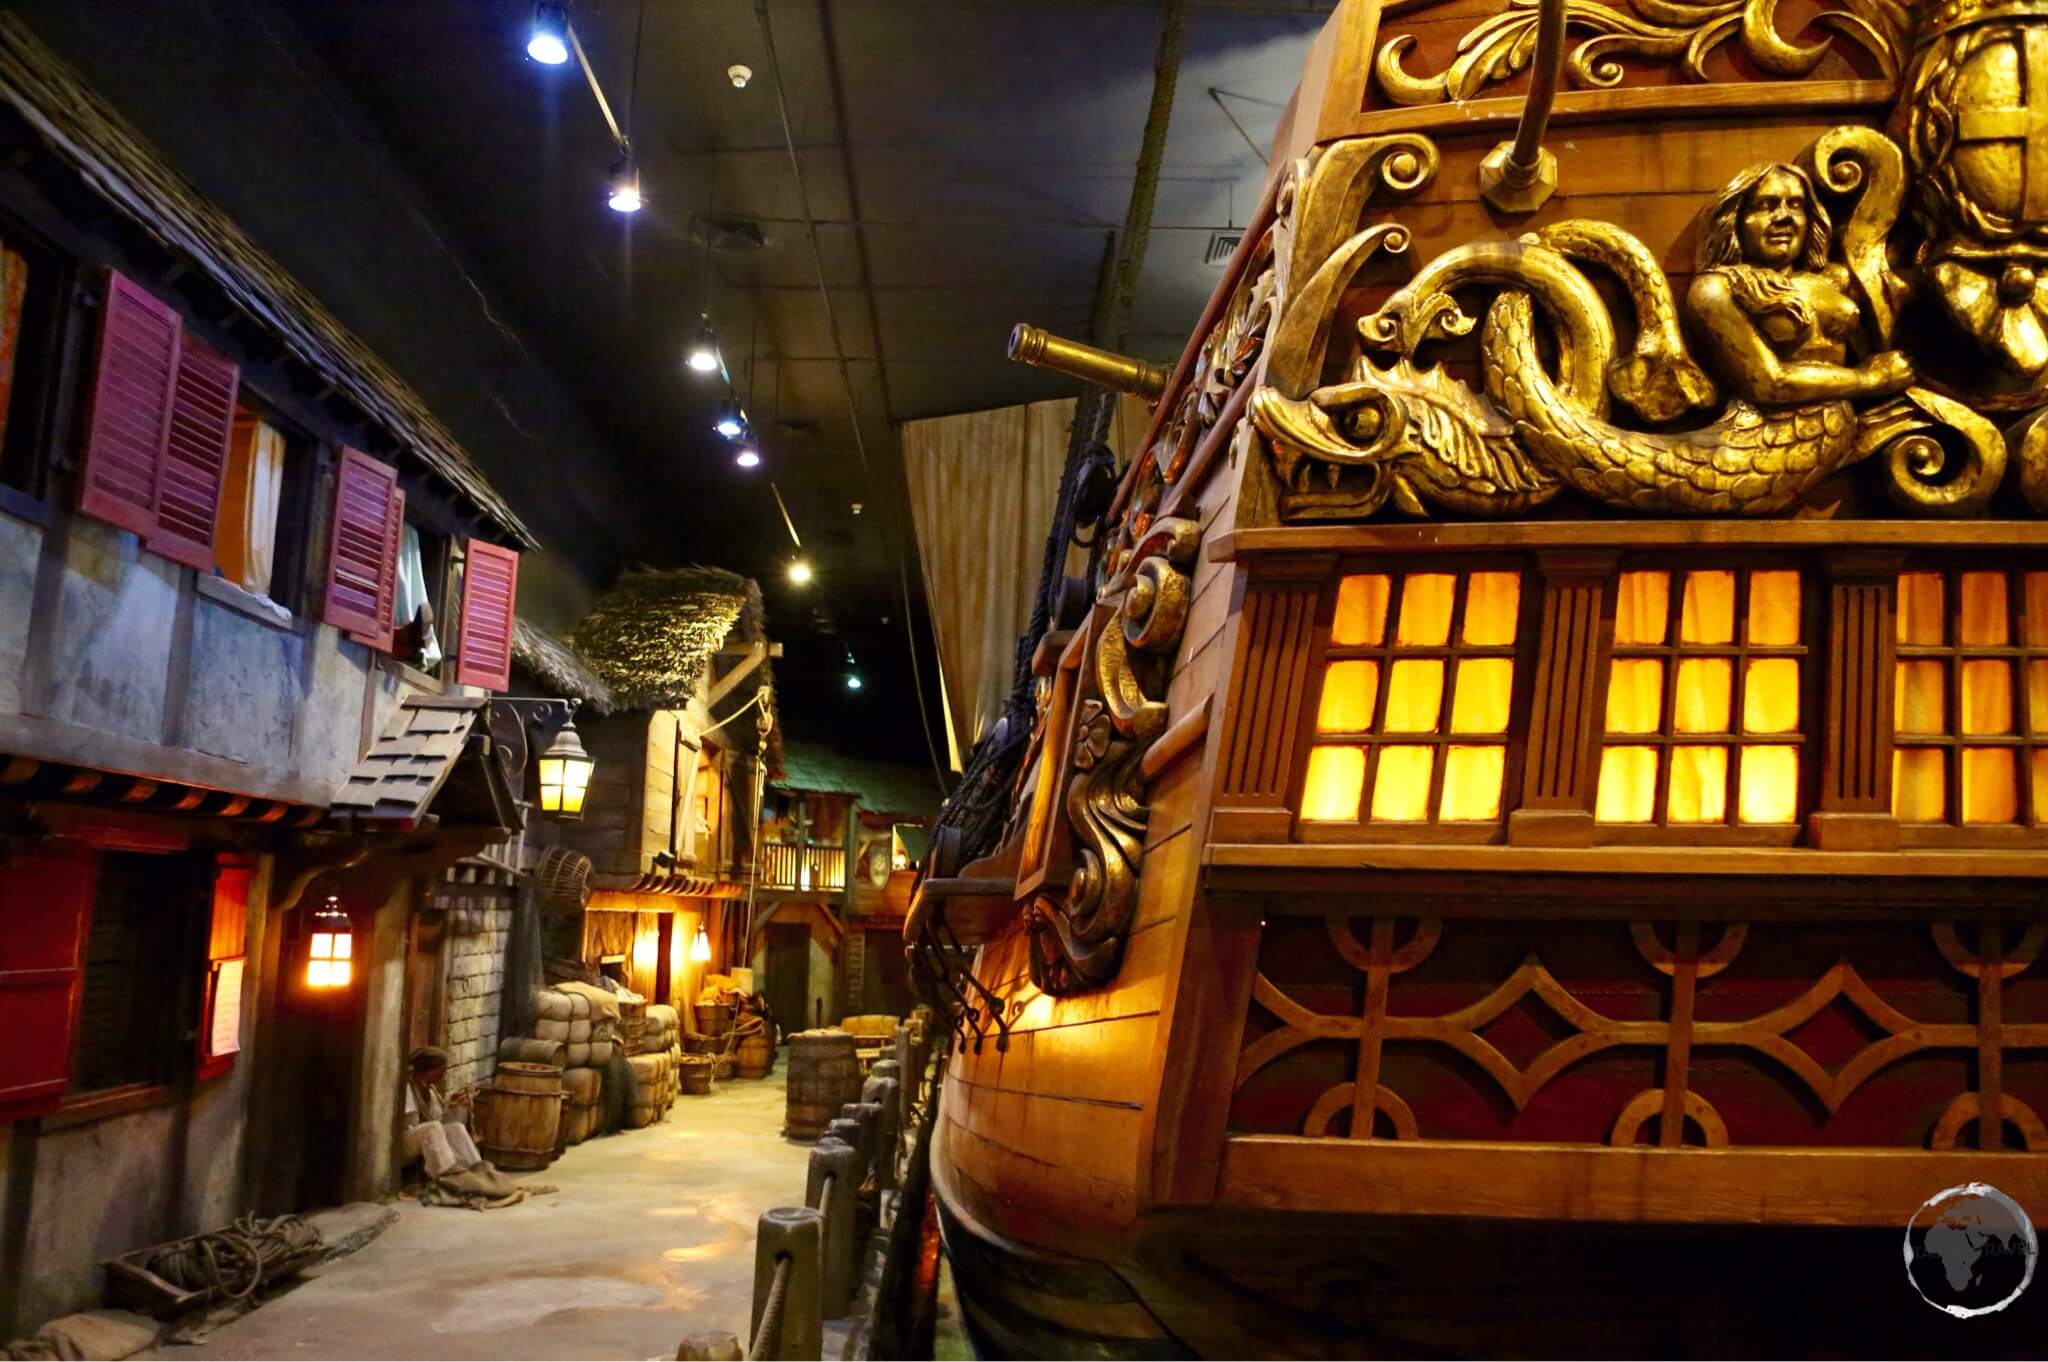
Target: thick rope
<point>770,1327</point>
<point>236,1259</point>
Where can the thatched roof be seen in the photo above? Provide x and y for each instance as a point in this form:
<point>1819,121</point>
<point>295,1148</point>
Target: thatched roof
<point>119,162</point>
<point>649,637</point>
<point>558,666</point>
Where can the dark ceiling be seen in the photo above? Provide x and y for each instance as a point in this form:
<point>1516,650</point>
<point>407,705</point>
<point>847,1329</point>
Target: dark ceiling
<point>966,165</point>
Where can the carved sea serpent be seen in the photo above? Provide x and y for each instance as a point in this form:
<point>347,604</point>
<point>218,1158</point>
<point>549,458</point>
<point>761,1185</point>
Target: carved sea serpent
<point>1424,310</point>
<point>1748,462</point>
<point>1658,378</point>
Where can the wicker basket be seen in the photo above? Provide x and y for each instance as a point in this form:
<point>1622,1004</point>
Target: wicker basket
<point>562,879</point>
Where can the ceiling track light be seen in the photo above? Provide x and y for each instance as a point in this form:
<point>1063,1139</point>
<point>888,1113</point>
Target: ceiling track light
<point>747,457</point>
<point>703,356</point>
<point>732,420</point>
<point>547,40</point>
<point>800,571</point>
<point>622,186</point>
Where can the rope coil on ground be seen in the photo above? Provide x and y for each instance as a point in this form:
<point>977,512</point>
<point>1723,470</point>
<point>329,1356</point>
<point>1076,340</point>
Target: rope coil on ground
<point>771,1313</point>
<point>235,1259</point>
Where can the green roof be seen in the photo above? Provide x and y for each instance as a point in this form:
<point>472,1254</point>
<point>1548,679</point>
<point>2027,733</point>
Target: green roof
<point>881,786</point>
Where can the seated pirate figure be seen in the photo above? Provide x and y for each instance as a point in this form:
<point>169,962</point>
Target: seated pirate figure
<point>435,1133</point>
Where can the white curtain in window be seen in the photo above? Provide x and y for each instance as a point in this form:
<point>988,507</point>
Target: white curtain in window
<point>412,594</point>
<point>245,541</point>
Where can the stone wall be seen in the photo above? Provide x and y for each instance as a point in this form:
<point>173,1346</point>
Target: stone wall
<point>476,985</point>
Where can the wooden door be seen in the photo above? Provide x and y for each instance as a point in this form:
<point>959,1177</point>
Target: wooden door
<point>426,976</point>
<point>789,975</point>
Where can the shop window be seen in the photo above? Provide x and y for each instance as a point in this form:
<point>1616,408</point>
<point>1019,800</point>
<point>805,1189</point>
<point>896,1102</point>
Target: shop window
<point>1970,698</point>
<point>1703,721</point>
<point>426,566</point>
<point>145,960</point>
<point>1413,711</point>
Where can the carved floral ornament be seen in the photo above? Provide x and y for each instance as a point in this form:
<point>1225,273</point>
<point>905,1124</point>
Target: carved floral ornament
<point>1825,326</point>
<point>1501,46</point>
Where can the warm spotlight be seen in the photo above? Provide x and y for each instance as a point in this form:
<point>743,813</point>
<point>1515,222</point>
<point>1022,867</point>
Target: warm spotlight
<point>800,571</point>
<point>704,350</point>
<point>623,187</point>
<point>747,457</point>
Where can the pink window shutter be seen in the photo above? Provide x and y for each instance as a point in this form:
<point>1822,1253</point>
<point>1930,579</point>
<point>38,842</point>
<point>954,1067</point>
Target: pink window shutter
<point>359,591</point>
<point>130,422</point>
<point>196,455</point>
<point>490,589</point>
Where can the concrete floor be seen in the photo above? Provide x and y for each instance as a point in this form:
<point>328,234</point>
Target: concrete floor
<point>651,1237</point>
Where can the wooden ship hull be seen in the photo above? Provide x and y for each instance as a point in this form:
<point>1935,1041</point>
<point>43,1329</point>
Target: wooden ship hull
<point>1533,840</point>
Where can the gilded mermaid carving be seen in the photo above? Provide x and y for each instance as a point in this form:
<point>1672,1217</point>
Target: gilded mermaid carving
<point>1791,317</point>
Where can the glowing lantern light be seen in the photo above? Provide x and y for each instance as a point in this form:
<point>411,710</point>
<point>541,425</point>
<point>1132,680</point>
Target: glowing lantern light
<point>700,949</point>
<point>565,770</point>
<point>328,962</point>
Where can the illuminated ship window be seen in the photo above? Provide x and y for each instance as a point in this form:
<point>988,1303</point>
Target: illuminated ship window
<point>1703,699</point>
<point>1970,698</point>
<point>1412,720</point>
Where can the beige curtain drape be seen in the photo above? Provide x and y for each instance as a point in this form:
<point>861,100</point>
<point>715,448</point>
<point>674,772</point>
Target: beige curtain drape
<point>245,537</point>
<point>983,487</point>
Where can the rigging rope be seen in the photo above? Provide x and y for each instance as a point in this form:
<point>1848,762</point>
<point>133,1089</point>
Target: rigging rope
<point>770,1328</point>
<point>237,1258</point>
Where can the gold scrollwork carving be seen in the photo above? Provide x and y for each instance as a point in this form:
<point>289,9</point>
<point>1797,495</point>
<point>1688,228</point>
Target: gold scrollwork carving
<point>1501,46</point>
<point>1077,943</point>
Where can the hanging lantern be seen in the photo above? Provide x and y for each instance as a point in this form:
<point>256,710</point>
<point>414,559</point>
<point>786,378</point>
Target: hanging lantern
<point>700,949</point>
<point>565,774</point>
<point>328,962</point>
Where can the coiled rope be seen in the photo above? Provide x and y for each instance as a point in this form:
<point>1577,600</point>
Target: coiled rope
<point>235,1259</point>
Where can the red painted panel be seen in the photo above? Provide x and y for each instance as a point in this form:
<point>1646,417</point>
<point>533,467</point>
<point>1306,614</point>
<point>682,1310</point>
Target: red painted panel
<point>131,407</point>
<point>360,551</point>
<point>196,455</point>
<point>45,909</point>
<point>490,587</point>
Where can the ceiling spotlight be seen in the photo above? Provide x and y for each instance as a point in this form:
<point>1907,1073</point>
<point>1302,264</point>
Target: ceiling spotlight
<point>748,457</point>
<point>800,571</point>
<point>704,350</point>
<point>731,422</point>
<point>623,186</point>
<point>739,75</point>
<point>548,40</point>
<point>853,680</point>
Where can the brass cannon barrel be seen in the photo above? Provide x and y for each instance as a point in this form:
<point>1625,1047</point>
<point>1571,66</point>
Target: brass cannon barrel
<point>1031,345</point>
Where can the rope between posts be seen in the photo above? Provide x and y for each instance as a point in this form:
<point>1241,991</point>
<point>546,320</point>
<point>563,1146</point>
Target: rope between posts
<point>771,1313</point>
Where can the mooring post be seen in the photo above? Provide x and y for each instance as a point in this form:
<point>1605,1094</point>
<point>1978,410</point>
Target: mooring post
<point>788,1320</point>
<point>869,1116</point>
<point>833,1188</point>
<point>880,1092</point>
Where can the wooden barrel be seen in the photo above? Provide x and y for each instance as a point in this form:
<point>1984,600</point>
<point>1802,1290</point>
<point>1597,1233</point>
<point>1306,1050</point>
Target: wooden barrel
<point>824,1075</point>
<point>714,1019</point>
<point>756,1053</point>
<point>517,1126</point>
<point>695,1071</point>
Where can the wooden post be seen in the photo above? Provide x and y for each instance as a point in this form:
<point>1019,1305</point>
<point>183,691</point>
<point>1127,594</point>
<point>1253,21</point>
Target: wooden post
<point>786,1245</point>
<point>832,1188</point>
<point>1574,635</point>
<point>880,1091</point>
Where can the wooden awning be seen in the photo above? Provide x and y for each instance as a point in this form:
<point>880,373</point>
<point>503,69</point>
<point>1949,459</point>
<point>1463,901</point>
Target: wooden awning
<point>435,762</point>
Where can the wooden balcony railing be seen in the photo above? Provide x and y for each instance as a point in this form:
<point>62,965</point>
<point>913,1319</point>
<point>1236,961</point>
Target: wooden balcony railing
<point>785,866</point>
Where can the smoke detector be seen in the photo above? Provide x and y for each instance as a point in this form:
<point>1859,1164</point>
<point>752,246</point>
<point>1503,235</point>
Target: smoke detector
<point>1222,246</point>
<point>739,75</point>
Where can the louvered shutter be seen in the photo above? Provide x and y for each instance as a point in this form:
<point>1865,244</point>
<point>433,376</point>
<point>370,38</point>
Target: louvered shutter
<point>196,455</point>
<point>131,407</point>
<point>362,555</point>
<point>490,585</point>
<point>49,905</point>
<point>387,594</point>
